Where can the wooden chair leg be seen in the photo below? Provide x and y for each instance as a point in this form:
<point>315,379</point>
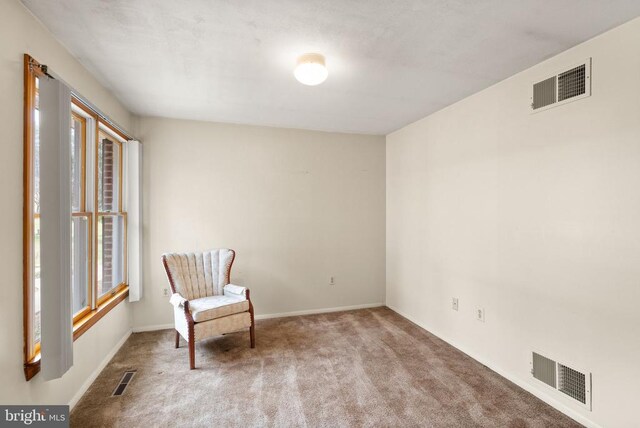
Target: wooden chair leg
<point>177,339</point>
<point>191,337</point>
<point>192,353</point>
<point>252,329</point>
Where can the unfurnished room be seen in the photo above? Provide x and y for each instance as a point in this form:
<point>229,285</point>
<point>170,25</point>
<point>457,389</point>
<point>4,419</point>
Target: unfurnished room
<point>336,213</point>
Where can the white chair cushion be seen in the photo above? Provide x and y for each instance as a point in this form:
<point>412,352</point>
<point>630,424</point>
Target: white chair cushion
<point>212,307</point>
<point>235,322</point>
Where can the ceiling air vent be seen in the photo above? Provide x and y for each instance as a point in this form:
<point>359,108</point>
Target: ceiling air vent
<point>566,86</point>
<point>574,383</point>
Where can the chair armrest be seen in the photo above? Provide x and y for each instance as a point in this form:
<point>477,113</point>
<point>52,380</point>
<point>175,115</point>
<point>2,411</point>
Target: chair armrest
<point>235,290</point>
<point>177,300</point>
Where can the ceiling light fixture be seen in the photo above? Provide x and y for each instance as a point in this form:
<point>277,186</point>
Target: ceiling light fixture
<point>310,69</point>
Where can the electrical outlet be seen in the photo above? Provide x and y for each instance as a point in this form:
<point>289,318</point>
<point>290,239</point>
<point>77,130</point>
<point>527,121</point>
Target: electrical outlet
<point>332,281</point>
<point>165,292</point>
<point>480,314</point>
<point>454,304</point>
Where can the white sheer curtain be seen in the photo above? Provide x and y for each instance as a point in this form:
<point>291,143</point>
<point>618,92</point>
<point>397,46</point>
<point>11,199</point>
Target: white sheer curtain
<point>55,228</point>
<point>133,186</point>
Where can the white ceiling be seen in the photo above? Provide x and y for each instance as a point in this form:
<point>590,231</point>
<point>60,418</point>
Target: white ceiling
<point>390,62</point>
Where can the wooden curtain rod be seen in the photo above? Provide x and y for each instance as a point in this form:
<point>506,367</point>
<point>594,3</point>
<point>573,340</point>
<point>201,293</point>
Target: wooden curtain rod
<point>38,68</point>
<point>43,70</point>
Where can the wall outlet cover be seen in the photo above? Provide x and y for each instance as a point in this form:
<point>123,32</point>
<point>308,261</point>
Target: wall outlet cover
<point>454,304</point>
<point>480,314</point>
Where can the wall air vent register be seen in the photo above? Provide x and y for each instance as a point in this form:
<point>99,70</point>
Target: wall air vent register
<point>568,380</point>
<point>571,84</point>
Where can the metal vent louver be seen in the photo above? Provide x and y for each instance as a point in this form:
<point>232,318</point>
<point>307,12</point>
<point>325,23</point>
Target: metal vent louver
<point>568,85</point>
<point>544,93</point>
<point>574,383</point>
<point>572,83</point>
<point>544,369</point>
<point>124,382</point>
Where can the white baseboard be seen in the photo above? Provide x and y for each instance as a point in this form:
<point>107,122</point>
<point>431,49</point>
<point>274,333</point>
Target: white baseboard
<point>558,405</point>
<point>278,315</point>
<point>153,327</point>
<point>85,386</point>
<point>318,311</point>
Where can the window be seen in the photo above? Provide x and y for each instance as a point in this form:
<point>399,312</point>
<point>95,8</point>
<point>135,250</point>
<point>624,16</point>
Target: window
<point>32,215</point>
<point>81,219</point>
<point>98,220</point>
<point>112,220</point>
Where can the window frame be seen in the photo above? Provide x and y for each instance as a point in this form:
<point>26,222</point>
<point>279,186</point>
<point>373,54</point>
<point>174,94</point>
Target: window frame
<point>97,307</point>
<point>83,211</point>
<point>88,308</point>
<point>32,71</point>
<point>119,140</point>
<point>83,164</point>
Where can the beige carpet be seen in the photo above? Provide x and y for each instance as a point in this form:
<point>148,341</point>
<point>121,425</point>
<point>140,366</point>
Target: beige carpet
<point>369,368</point>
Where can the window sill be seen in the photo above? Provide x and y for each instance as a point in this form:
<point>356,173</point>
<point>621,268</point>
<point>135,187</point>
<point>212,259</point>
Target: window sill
<point>80,327</point>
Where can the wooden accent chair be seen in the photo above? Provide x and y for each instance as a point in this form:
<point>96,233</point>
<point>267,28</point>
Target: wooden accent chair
<point>205,304</point>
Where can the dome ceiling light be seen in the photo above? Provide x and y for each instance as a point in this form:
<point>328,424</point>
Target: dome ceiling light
<point>311,69</point>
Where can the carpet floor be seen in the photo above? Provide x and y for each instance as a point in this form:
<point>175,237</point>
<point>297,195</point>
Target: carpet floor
<point>363,368</point>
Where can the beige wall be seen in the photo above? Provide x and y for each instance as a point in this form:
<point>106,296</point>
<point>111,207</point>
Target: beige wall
<point>533,217</point>
<point>297,206</point>
<point>20,33</point>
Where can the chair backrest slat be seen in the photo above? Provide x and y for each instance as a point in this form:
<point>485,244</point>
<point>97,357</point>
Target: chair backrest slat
<point>200,274</point>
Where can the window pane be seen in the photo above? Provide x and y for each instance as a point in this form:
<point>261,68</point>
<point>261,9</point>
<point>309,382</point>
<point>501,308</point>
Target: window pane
<point>108,175</point>
<point>36,279</point>
<point>35,283</point>
<point>36,155</point>
<point>79,263</point>
<point>77,133</point>
<point>110,252</point>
